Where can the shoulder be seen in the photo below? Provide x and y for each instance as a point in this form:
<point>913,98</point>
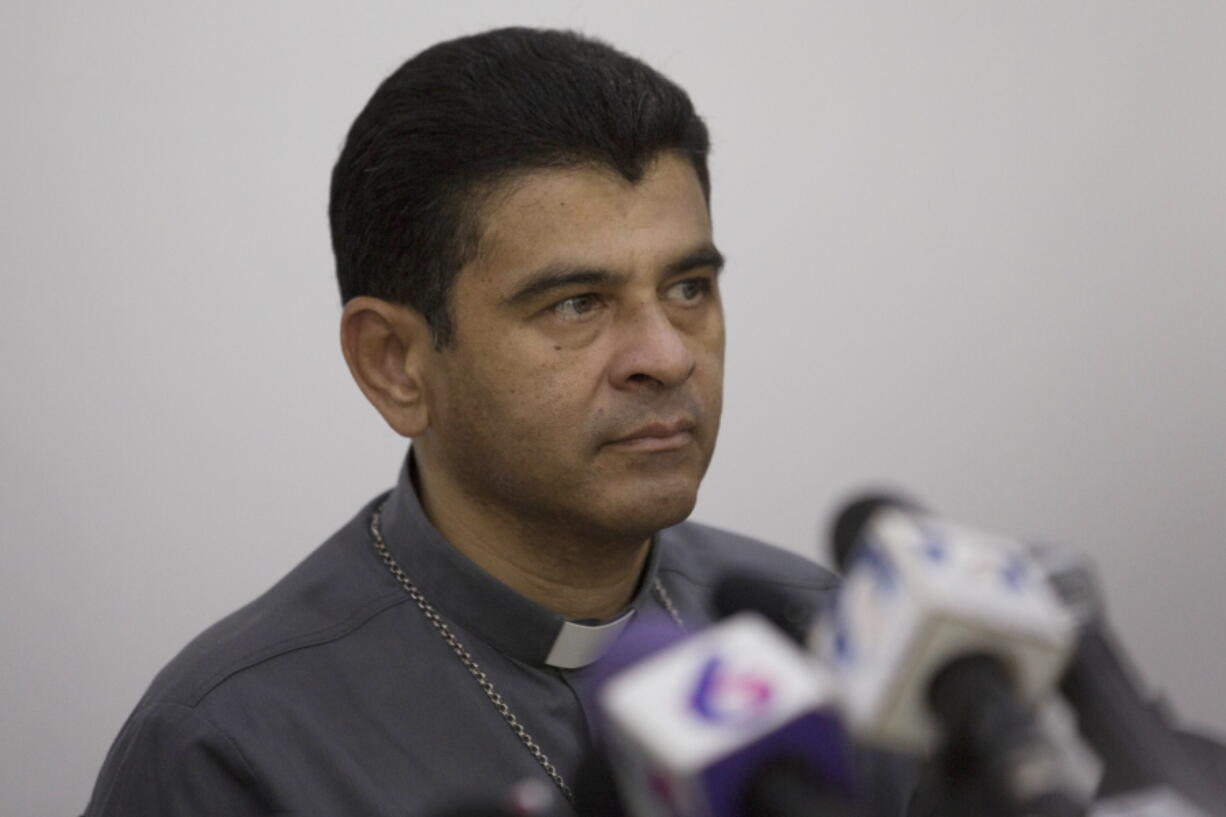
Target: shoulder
<point>705,555</point>
<point>328,597</point>
<point>169,759</point>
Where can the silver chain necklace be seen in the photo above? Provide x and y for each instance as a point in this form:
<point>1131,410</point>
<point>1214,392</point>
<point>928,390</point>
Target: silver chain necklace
<point>470,663</point>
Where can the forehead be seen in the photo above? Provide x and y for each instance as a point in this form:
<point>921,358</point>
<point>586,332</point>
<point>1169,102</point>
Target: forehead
<point>590,215</point>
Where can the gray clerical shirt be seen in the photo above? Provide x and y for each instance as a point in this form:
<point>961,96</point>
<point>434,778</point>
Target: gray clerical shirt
<point>333,695</point>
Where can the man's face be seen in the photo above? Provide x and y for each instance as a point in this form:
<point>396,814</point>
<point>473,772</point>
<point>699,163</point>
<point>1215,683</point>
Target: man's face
<point>583,387</point>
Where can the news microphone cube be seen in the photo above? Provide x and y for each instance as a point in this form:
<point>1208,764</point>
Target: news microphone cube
<point>690,726</point>
<point>920,592</point>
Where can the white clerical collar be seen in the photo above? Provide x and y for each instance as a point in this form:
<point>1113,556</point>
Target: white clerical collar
<point>578,645</point>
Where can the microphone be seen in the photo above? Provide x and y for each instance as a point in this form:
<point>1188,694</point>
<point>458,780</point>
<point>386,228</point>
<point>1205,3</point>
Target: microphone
<point>792,613</point>
<point>944,639</point>
<point>885,780</point>
<point>729,722</point>
<point>1138,748</point>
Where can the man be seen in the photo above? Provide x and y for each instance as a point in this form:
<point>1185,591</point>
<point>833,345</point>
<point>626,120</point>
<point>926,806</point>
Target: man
<point>531,289</point>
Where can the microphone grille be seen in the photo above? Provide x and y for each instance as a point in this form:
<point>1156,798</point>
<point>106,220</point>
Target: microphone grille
<point>850,522</point>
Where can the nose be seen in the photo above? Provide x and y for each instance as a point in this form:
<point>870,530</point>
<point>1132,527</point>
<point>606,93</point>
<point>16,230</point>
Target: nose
<point>653,352</point>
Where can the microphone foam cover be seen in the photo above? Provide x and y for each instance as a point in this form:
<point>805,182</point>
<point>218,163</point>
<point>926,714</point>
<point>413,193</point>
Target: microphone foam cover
<point>789,612</point>
<point>850,523</point>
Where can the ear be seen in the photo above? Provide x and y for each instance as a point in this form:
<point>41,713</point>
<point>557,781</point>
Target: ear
<point>386,347</point>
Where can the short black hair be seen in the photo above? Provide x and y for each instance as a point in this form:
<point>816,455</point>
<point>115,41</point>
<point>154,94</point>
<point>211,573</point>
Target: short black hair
<point>449,124</point>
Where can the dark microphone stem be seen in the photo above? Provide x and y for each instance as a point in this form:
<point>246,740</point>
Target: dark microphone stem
<point>990,732</point>
<point>1138,748</point>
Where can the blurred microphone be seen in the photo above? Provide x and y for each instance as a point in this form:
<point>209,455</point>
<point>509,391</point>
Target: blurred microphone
<point>945,639</point>
<point>884,780</point>
<point>1139,749</point>
<point>730,722</point>
<point>793,614</point>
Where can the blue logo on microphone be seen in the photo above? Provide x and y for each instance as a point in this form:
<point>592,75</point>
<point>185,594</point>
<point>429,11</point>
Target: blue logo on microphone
<point>727,696</point>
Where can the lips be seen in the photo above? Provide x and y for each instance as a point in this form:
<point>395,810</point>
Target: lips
<point>658,436</point>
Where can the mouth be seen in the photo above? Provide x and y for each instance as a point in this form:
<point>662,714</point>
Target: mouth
<point>657,436</point>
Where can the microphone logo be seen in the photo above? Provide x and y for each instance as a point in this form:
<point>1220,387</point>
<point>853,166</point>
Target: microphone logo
<point>862,612</point>
<point>726,696</point>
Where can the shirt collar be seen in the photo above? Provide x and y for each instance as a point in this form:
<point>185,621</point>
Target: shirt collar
<point>464,593</point>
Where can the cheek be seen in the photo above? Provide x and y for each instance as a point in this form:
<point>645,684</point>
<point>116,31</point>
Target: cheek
<point>562,399</point>
<point>538,399</point>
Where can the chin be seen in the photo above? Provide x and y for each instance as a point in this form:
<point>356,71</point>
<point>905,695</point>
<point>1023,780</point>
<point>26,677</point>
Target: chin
<point>653,510</point>
<point>647,493</point>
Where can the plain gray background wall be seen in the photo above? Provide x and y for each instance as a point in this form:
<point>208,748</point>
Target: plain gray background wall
<point>976,251</point>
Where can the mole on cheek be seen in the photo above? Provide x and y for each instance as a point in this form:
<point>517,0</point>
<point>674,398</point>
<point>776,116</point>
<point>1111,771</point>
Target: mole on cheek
<point>557,348</point>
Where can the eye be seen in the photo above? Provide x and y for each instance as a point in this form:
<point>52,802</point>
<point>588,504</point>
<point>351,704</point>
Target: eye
<point>577,307</point>
<point>690,291</point>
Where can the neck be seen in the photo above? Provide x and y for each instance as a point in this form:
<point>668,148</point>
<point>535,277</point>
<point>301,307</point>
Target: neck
<point>575,576</point>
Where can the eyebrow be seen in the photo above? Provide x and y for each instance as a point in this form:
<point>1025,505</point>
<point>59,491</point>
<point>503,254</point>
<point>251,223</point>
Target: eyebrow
<point>557,276</point>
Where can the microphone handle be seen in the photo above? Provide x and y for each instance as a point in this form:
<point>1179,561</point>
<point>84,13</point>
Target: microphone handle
<point>989,732</point>
<point>1136,745</point>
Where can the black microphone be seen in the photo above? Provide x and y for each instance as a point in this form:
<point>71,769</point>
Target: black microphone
<point>792,613</point>
<point>1137,746</point>
<point>883,781</point>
